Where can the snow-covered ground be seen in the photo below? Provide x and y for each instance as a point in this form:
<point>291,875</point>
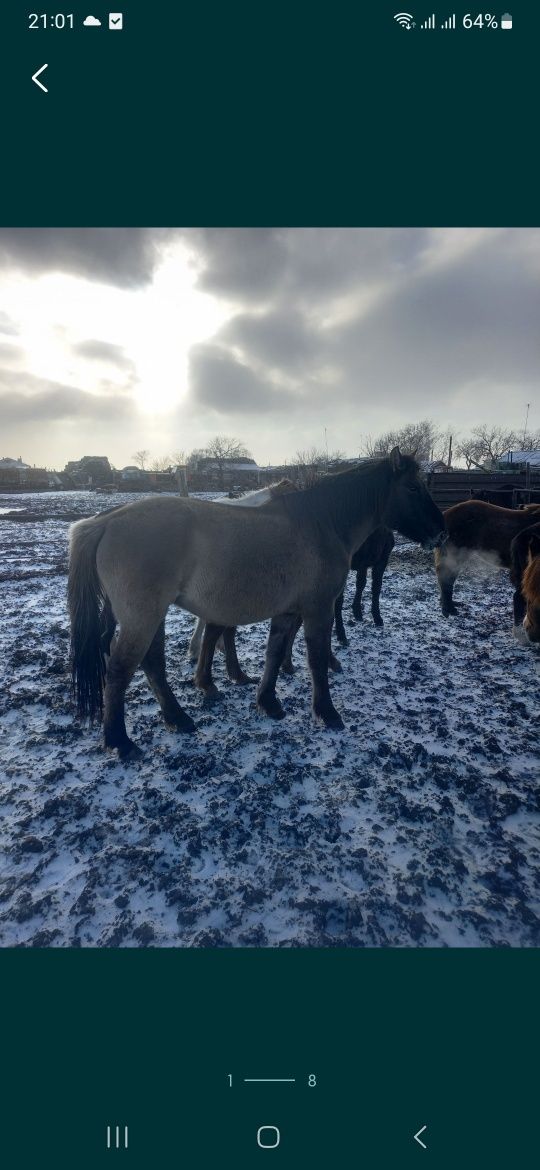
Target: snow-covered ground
<point>416,826</point>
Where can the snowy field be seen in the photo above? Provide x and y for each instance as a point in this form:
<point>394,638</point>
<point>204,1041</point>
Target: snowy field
<point>416,826</point>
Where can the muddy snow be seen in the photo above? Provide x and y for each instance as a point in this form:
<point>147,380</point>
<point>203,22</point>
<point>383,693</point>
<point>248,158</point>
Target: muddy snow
<point>416,826</point>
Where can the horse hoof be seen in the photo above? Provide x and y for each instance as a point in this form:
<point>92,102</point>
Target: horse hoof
<point>288,668</point>
<point>358,615</point>
<point>212,694</point>
<point>243,680</point>
<point>343,640</point>
<point>378,622</point>
<point>272,708</point>
<point>332,720</point>
<point>335,664</point>
<point>184,724</point>
<point>130,753</point>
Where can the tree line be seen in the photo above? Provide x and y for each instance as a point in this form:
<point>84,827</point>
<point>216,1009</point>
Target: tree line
<point>484,444</point>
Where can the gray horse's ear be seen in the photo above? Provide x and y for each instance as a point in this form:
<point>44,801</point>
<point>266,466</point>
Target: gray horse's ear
<point>395,459</point>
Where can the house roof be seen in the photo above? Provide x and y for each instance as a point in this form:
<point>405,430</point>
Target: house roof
<point>521,457</point>
<point>13,463</point>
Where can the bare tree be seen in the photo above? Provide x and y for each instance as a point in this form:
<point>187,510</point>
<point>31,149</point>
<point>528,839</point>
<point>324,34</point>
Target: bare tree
<point>492,442</point>
<point>179,458</point>
<point>532,441</point>
<point>161,463</point>
<point>422,439</point>
<point>316,457</point>
<point>223,448</point>
<point>467,449</point>
<point>140,458</point>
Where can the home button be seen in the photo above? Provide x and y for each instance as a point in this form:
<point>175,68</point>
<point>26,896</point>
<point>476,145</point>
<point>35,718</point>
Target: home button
<point>268,1137</point>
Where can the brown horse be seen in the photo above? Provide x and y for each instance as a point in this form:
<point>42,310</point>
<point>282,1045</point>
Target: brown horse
<point>525,577</point>
<point>230,566</point>
<point>475,526</point>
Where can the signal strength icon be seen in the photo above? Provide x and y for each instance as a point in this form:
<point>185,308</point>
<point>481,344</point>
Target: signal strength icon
<point>430,22</point>
<point>404,19</point>
<point>451,22</point>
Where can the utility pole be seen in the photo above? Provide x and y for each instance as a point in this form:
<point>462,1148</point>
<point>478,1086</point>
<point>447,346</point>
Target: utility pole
<point>450,453</point>
<point>526,421</point>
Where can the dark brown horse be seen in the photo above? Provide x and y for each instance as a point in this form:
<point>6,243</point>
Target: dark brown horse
<point>230,566</point>
<point>475,526</point>
<point>525,577</point>
<point>374,554</point>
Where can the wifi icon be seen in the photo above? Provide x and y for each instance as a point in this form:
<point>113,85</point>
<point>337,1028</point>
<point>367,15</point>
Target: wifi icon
<point>404,19</point>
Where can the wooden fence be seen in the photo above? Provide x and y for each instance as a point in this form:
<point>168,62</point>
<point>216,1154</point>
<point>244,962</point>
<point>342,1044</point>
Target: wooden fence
<point>507,488</point>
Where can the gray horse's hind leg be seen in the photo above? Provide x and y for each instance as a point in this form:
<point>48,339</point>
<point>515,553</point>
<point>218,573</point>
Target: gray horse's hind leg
<point>317,631</point>
<point>127,654</point>
<point>278,638</point>
<point>203,674</point>
<point>153,665</point>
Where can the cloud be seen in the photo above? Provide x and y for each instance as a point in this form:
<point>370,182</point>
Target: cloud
<point>102,351</point>
<point>92,22</point>
<point>281,340</point>
<point>7,326</point>
<point>125,257</point>
<point>25,398</point>
<point>13,355</point>
<point>388,323</point>
<point>219,381</point>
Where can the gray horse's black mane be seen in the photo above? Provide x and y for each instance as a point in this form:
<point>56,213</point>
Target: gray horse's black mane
<point>342,495</point>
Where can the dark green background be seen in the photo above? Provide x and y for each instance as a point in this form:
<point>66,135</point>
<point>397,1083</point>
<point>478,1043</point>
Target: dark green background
<point>264,116</point>
<point>276,114</point>
<point>397,1040</point>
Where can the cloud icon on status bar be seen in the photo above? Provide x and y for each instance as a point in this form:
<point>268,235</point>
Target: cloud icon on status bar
<point>91,21</point>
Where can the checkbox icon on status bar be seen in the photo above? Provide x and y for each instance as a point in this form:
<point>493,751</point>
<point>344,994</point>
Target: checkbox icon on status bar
<point>116,20</point>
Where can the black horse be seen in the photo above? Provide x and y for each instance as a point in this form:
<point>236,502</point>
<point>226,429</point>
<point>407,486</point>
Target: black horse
<point>374,554</point>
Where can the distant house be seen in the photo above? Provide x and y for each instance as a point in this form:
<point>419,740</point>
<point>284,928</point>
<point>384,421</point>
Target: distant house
<point>90,471</point>
<point>15,474</point>
<point>433,465</point>
<point>207,474</point>
<point>13,470</point>
<point>131,472</point>
<point>518,460</point>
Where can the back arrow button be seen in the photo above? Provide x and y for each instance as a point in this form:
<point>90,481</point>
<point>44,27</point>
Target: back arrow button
<point>36,75</point>
<point>417,1137</point>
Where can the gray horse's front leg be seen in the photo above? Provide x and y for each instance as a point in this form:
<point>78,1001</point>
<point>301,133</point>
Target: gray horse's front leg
<point>278,638</point>
<point>317,632</point>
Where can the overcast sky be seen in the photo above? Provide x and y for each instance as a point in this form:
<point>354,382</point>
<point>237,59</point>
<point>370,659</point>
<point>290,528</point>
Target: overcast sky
<point>116,339</point>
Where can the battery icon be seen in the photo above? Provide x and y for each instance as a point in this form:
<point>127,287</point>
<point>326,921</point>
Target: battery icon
<point>506,20</point>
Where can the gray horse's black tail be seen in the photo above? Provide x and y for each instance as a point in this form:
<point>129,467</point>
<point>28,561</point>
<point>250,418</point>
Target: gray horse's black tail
<point>85,603</point>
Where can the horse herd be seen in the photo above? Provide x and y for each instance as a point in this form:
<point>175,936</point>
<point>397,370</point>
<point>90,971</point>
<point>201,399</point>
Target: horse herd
<point>279,554</point>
